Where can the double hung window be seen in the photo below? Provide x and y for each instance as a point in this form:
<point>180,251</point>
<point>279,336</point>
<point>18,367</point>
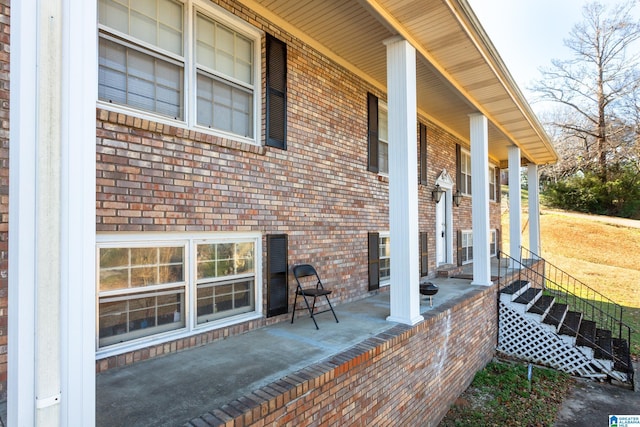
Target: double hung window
<point>385,259</point>
<point>383,138</point>
<point>147,66</point>
<point>465,172</point>
<point>467,247</point>
<point>147,287</point>
<point>493,187</point>
<point>493,244</point>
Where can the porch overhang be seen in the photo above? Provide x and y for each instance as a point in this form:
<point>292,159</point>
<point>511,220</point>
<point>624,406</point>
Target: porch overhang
<point>459,72</point>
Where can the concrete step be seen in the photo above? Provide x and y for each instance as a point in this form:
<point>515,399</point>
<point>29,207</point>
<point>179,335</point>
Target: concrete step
<point>587,334</point>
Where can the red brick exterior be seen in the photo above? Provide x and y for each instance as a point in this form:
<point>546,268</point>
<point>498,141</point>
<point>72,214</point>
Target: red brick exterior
<point>157,178</point>
<point>406,376</point>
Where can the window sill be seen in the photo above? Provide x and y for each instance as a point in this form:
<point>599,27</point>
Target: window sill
<point>107,113</point>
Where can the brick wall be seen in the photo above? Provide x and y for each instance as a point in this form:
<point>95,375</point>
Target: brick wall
<point>4,189</point>
<point>158,178</point>
<point>404,376</point>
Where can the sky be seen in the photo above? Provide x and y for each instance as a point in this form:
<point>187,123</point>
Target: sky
<point>528,33</point>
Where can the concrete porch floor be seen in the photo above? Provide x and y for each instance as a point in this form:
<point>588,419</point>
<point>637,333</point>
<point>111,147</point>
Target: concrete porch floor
<point>173,389</point>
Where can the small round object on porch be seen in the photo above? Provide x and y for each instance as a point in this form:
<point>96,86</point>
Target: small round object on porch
<point>428,289</point>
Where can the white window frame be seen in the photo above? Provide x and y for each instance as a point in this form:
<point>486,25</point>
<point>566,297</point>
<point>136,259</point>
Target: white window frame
<point>189,121</point>
<point>493,195</point>
<point>383,109</point>
<point>465,172</point>
<point>382,236</point>
<point>189,242</point>
<point>493,242</point>
<point>467,250</point>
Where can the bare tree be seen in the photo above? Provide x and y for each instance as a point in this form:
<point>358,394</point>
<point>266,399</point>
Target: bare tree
<point>598,86</point>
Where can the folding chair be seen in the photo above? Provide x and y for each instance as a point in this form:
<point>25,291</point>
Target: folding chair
<point>314,290</point>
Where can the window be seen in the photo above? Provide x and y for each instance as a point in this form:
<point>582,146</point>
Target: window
<point>146,287</point>
<point>385,259</point>
<point>493,243</point>
<point>144,66</point>
<point>493,188</point>
<point>383,138</point>
<point>225,274</point>
<point>377,136</point>
<point>465,172</point>
<point>140,291</point>
<point>467,247</point>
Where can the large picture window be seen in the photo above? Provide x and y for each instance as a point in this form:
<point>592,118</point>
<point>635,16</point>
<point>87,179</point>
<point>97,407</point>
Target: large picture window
<point>145,67</point>
<point>148,287</point>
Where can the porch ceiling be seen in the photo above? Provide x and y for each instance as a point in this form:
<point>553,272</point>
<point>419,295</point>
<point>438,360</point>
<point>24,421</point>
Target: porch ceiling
<point>459,72</point>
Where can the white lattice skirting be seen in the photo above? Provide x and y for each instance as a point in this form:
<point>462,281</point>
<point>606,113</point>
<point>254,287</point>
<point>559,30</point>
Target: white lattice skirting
<point>527,339</point>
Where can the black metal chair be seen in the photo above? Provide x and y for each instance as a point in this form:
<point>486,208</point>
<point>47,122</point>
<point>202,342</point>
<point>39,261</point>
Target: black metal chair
<point>311,290</point>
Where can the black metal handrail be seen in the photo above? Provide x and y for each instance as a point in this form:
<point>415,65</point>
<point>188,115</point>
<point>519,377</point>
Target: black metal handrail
<point>566,289</point>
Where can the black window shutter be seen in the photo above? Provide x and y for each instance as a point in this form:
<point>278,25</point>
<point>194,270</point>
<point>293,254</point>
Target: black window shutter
<point>372,139</point>
<point>498,187</point>
<point>498,243</point>
<point>276,119</point>
<point>424,256</point>
<point>277,275</point>
<point>459,168</point>
<point>459,247</point>
<point>423,154</point>
<point>374,261</point>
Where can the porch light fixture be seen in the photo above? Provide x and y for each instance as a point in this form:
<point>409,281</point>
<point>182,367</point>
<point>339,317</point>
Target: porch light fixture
<point>436,193</point>
<point>457,198</point>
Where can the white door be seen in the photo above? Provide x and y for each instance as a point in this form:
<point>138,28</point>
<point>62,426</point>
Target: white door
<point>441,231</point>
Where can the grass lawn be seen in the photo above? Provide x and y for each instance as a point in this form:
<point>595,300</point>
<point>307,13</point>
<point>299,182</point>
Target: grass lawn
<point>501,395</point>
<point>605,257</point>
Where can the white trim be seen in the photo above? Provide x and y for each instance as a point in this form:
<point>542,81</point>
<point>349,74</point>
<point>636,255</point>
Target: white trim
<point>403,185</point>
<point>480,215</point>
<point>533,182</point>
<point>515,205</point>
<point>21,360</point>
<point>446,183</point>
<point>80,80</point>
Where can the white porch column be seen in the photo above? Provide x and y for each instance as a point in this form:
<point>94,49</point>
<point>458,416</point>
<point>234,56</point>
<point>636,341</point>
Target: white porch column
<point>534,209</point>
<point>403,183</point>
<point>51,352</point>
<point>480,201</point>
<point>515,204</point>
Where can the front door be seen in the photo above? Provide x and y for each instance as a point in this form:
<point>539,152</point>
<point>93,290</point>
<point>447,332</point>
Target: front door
<point>441,231</point>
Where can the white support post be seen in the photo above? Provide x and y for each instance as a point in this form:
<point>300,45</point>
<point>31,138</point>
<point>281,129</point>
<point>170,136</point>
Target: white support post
<point>403,184</point>
<point>51,360</point>
<point>534,209</point>
<point>515,205</point>
<point>480,202</point>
